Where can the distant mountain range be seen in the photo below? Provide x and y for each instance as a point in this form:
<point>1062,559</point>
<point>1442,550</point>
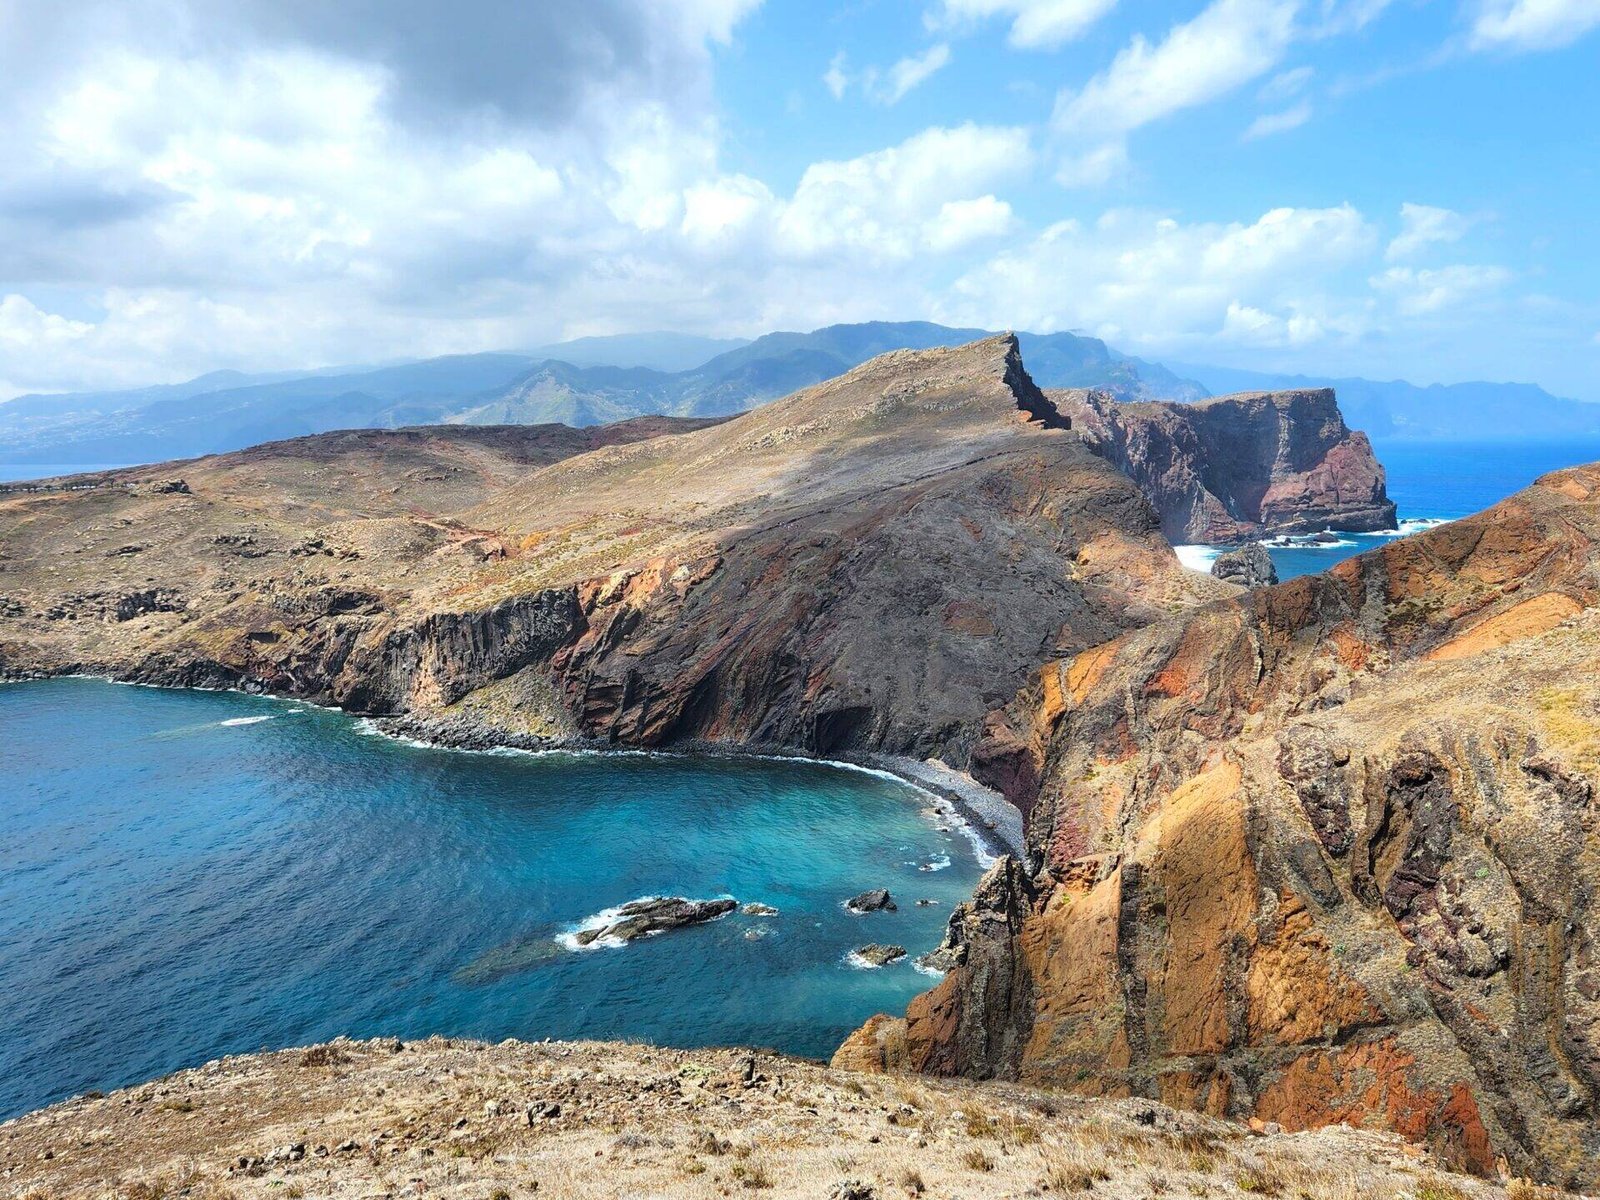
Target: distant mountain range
<point>597,380</point>
<point>1395,410</point>
<point>228,410</point>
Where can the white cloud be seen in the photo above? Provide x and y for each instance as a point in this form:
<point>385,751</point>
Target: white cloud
<point>1093,168</point>
<point>1420,292</point>
<point>1532,24</point>
<point>961,222</point>
<point>1285,85</point>
<point>1422,225</point>
<point>1268,124</point>
<point>1152,282</point>
<point>908,73</point>
<point>1347,16</point>
<point>1228,44</point>
<point>724,208</point>
<point>834,78</point>
<point>1035,24</point>
<point>890,203</point>
<point>23,326</point>
<point>1249,326</point>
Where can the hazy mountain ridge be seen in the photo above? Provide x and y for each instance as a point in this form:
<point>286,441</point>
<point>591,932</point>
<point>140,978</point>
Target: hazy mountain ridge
<point>192,419</point>
<point>591,381</point>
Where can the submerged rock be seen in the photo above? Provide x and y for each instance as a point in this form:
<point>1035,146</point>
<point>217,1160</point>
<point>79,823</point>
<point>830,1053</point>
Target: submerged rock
<point>875,955</point>
<point>523,954</point>
<point>1248,566</point>
<point>877,900</point>
<point>656,914</point>
<point>756,909</point>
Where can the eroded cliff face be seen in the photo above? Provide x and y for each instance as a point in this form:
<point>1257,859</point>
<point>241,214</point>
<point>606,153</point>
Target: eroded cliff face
<point>873,563</point>
<point>1240,467</point>
<point>1325,853</point>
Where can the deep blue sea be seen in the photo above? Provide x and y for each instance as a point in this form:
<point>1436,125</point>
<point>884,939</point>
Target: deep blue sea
<point>1430,482</point>
<point>186,874</point>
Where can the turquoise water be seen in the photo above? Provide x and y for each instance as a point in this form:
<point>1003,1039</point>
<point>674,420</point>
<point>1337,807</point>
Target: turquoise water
<point>1431,482</point>
<point>187,874</point>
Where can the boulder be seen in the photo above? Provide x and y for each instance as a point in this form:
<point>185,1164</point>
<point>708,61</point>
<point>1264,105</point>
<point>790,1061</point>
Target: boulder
<point>656,914</point>
<point>877,900</point>
<point>875,955</point>
<point>1249,566</point>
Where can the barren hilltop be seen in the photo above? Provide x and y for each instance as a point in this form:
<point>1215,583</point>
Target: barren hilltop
<point>595,1121</point>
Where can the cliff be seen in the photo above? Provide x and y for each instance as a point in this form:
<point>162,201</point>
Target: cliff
<point>1240,467</point>
<point>590,1121</point>
<point>1326,852</point>
<point>869,564</point>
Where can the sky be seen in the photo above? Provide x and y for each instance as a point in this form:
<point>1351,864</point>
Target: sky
<point>1388,188</point>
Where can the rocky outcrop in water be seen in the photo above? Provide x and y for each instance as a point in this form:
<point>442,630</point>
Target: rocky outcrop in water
<point>1327,852</point>
<point>877,900</point>
<point>1240,467</point>
<point>655,914</point>
<point>875,955</point>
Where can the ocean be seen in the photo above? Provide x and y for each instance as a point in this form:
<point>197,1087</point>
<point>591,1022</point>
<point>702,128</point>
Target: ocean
<point>188,874</point>
<point>1430,483</point>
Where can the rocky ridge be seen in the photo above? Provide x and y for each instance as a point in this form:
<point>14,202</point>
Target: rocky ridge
<point>1235,468</point>
<point>869,564</point>
<point>1326,852</point>
<point>592,1121</point>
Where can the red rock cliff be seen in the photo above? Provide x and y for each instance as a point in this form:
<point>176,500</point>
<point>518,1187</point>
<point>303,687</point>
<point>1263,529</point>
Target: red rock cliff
<point>1239,467</point>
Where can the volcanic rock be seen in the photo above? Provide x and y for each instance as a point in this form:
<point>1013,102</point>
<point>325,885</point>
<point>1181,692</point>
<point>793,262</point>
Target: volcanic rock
<point>1325,852</point>
<point>1238,467</point>
<point>656,914</point>
<point>1249,566</point>
<point>877,900</point>
<point>870,564</point>
<point>875,955</point>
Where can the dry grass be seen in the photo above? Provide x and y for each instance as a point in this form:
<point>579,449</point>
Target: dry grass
<point>637,1121</point>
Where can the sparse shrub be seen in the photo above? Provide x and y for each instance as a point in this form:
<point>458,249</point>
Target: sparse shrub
<point>976,1160</point>
<point>323,1056</point>
<point>912,1182</point>
<point>752,1174</point>
<point>1439,1189</point>
<point>979,1124</point>
<point>1070,1178</point>
<point>703,1141</point>
<point>500,1194</point>
<point>1526,1189</point>
<point>1258,1182</point>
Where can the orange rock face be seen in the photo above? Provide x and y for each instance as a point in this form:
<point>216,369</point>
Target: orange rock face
<point>1326,853</point>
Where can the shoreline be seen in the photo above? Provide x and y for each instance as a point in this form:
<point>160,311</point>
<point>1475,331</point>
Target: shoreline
<point>992,824</point>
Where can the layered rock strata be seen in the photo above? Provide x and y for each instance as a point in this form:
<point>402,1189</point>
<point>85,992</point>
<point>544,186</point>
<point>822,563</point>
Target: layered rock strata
<point>869,564</point>
<point>1240,467</point>
<point>1327,852</point>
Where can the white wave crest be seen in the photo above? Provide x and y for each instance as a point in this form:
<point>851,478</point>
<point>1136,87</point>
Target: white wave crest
<point>1196,557</point>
